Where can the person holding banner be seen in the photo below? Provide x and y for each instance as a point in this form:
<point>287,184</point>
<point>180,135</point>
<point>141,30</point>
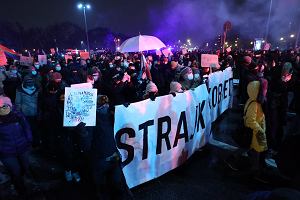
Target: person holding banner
<point>105,159</point>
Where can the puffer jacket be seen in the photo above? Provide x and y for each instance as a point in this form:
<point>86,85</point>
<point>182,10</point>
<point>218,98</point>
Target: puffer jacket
<point>255,118</point>
<point>27,103</point>
<point>15,134</point>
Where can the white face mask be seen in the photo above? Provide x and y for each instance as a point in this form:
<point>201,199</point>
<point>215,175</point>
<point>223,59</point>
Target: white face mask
<point>196,76</point>
<point>190,77</point>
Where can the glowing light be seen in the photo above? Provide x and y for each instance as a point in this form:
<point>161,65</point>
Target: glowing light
<point>263,41</point>
<point>188,40</point>
<point>216,44</point>
<point>235,45</point>
<point>281,38</point>
<point>118,48</point>
<point>79,6</point>
<point>251,42</point>
<point>226,43</point>
<point>88,6</point>
<point>235,41</point>
<point>207,44</point>
<point>292,35</point>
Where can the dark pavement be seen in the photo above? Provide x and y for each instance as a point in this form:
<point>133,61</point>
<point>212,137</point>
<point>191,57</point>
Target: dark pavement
<point>204,176</point>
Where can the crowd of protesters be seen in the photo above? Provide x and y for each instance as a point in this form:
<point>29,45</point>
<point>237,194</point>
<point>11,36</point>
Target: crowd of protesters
<point>32,105</point>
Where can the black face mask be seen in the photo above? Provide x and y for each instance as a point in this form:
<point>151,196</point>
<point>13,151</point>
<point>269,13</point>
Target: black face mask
<point>130,72</point>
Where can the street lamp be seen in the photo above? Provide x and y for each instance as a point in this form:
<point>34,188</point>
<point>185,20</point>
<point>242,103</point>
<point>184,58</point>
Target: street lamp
<point>292,35</point>
<point>281,39</point>
<point>84,7</point>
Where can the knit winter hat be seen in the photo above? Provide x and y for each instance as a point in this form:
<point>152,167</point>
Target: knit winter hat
<point>247,60</point>
<point>55,76</point>
<point>5,101</point>
<point>175,87</point>
<point>182,71</point>
<point>287,68</point>
<point>151,87</point>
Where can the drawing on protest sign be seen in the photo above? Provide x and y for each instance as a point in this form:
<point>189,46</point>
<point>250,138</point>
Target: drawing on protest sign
<point>42,59</point>
<point>26,61</point>
<point>84,55</point>
<point>80,106</point>
<point>3,60</point>
<point>209,60</point>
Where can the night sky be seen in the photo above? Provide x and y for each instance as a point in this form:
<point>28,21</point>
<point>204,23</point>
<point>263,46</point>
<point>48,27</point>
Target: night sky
<point>176,19</point>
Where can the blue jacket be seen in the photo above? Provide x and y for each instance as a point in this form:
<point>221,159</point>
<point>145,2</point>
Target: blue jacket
<point>15,134</point>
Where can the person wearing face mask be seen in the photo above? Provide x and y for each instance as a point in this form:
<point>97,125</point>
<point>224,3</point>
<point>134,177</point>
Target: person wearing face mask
<point>37,65</point>
<point>197,77</point>
<point>27,101</point>
<point>185,77</point>
<point>12,82</point>
<point>97,76</point>
<point>57,67</point>
<point>15,142</point>
<point>36,77</point>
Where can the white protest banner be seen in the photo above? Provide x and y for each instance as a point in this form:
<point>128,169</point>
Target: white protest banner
<point>82,86</point>
<point>42,59</point>
<point>26,61</point>
<point>3,60</point>
<point>220,92</point>
<point>80,106</point>
<point>155,137</point>
<point>207,60</point>
<point>84,55</point>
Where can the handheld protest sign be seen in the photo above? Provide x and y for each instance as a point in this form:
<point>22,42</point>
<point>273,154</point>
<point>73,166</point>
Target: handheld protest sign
<point>84,55</point>
<point>80,106</point>
<point>3,60</point>
<point>42,59</point>
<point>26,61</point>
<point>209,60</point>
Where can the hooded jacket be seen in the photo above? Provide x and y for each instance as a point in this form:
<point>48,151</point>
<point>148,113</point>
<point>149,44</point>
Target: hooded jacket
<point>27,103</point>
<point>255,118</point>
<point>15,134</point>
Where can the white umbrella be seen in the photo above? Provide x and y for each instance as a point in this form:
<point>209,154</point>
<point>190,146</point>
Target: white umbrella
<point>141,43</point>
